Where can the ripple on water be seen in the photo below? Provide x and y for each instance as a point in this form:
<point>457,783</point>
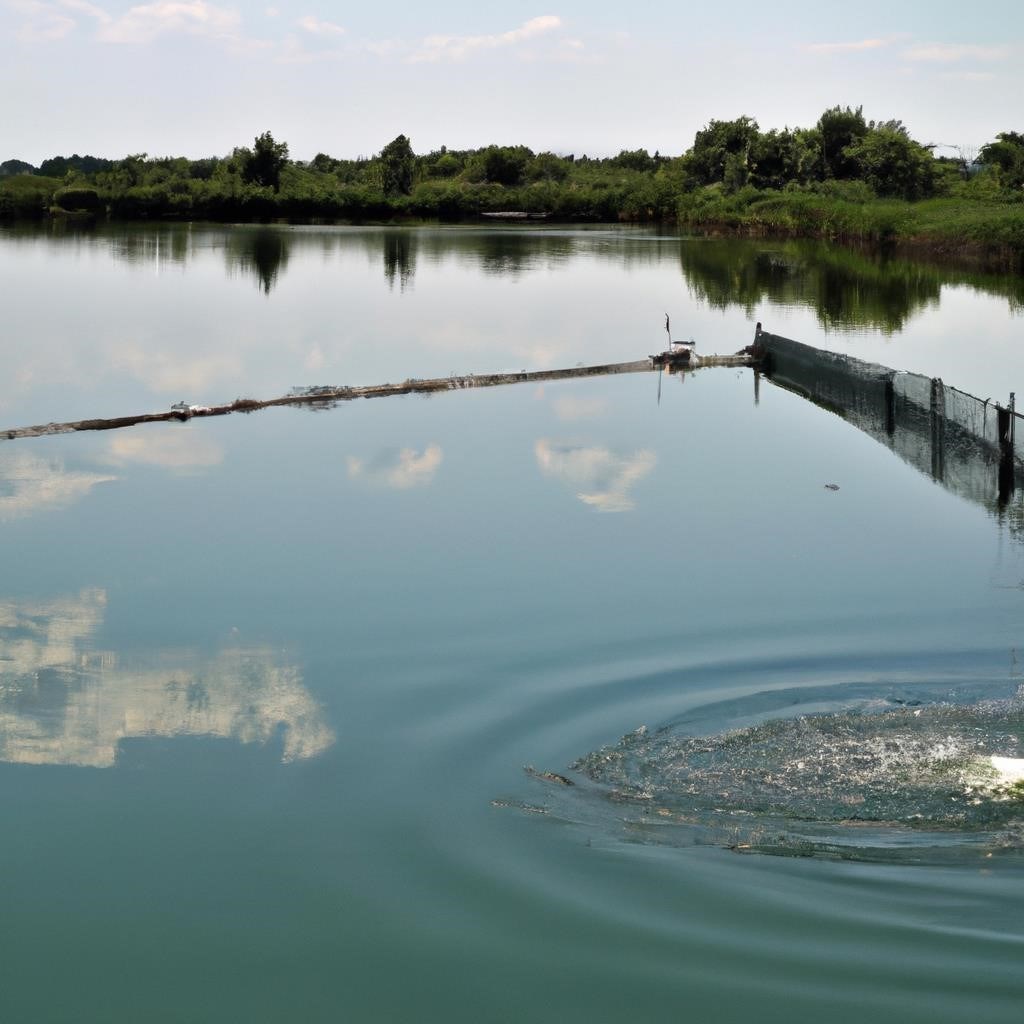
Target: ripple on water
<point>839,772</point>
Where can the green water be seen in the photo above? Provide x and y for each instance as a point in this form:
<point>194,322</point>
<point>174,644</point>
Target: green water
<point>268,683</point>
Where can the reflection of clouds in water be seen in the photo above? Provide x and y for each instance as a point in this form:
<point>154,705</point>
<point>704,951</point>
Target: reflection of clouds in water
<point>570,408</point>
<point>175,373</point>
<point>173,449</point>
<point>42,634</point>
<point>464,339</point>
<point>28,484</point>
<point>62,702</point>
<point>314,358</point>
<point>398,469</point>
<point>602,478</point>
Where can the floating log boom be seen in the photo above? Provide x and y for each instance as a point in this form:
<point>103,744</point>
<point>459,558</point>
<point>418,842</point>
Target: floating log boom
<point>319,397</point>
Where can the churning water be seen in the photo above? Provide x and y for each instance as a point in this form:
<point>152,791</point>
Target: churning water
<point>889,778</point>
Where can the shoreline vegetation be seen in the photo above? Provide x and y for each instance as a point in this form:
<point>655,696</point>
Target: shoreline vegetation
<point>847,180</point>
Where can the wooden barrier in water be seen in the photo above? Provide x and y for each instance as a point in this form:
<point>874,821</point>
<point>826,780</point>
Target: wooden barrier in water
<point>320,397</point>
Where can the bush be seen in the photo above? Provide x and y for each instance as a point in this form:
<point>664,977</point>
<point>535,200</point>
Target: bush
<point>78,199</point>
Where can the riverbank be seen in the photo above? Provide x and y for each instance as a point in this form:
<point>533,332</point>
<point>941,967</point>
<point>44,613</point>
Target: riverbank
<point>983,233</point>
<point>986,233</point>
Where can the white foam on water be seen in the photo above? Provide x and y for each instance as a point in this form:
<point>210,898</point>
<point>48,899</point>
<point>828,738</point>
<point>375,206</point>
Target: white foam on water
<point>1010,770</point>
<point>994,778</point>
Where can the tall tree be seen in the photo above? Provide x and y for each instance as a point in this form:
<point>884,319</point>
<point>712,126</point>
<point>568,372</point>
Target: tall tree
<point>720,146</point>
<point>264,164</point>
<point>397,163</point>
<point>840,127</point>
<point>1007,154</point>
<point>893,164</point>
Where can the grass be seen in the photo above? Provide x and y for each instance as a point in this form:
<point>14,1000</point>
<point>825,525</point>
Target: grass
<point>947,226</point>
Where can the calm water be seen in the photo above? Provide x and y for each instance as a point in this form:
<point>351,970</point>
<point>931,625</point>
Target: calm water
<point>268,683</point>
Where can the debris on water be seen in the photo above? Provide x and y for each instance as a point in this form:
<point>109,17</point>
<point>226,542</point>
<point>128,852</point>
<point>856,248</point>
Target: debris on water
<point>831,487</point>
<point>519,805</point>
<point>560,780</point>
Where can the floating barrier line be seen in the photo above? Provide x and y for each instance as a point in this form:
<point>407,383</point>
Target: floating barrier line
<point>328,396</point>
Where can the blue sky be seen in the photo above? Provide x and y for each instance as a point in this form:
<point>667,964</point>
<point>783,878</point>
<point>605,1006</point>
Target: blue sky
<point>196,78</point>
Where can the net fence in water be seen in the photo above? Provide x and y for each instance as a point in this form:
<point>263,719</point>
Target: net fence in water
<point>972,446</point>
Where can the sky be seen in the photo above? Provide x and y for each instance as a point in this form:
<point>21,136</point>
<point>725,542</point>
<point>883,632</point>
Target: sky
<point>195,78</point>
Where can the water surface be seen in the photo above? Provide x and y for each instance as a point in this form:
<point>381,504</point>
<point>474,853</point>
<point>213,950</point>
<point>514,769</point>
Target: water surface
<point>268,683</point>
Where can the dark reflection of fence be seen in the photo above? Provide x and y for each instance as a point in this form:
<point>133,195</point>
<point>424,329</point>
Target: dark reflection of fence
<point>974,448</point>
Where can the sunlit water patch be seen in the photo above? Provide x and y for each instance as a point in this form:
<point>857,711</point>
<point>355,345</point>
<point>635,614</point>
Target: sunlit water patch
<point>842,773</point>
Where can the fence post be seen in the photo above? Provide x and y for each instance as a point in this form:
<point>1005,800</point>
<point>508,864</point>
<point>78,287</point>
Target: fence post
<point>1007,469</point>
<point>890,404</point>
<point>938,431</point>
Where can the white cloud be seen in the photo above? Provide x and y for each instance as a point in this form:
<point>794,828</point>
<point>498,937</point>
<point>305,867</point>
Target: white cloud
<point>949,52</point>
<point>969,76</point>
<point>319,28</point>
<point>850,47</point>
<point>441,47</point>
<point>604,478</point>
<point>401,470</point>
<point>91,10</point>
<point>42,22</point>
<point>145,23</point>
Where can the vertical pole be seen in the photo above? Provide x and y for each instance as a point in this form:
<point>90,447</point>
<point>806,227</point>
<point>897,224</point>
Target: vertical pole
<point>890,404</point>
<point>938,425</point>
<point>1007,470</point>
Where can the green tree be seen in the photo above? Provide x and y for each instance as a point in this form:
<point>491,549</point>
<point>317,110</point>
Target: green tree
<point>775,159</point>
<point>398,162</point>
<point>839,128</point>
<point>322,163</point>
<point>445,166</point>
<point>12,167</point>
<point>720,145</point>
<point>635,160</point>
<point>548,167</point>
<point>1006,154</point>
<point>264,164</point>
<point>893,164</point>
<point>506,165</point>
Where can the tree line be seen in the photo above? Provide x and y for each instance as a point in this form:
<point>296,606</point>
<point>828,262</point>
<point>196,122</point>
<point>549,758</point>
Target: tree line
<point>731,165</point>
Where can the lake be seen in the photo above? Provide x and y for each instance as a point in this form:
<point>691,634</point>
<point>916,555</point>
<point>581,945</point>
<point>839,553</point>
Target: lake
<point>270,684</point>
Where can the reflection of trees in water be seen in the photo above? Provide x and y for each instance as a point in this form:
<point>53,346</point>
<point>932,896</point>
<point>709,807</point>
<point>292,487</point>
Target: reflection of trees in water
<point>399,258</point>
<point>513,253</point>
<point>847,288</point>
<point>263,252</point>
<point>496,252</point>
<point>170,244</point>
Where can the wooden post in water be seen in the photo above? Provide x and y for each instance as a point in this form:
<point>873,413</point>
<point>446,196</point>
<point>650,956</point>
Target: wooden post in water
<point>1007,475</point>
<point>938,428</point>
<point>890,404</point>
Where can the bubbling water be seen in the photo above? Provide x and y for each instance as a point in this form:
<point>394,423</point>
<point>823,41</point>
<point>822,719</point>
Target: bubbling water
<point>861,781</point>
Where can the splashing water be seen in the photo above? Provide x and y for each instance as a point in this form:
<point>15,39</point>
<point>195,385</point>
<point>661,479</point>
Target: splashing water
<point>867,781</point>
